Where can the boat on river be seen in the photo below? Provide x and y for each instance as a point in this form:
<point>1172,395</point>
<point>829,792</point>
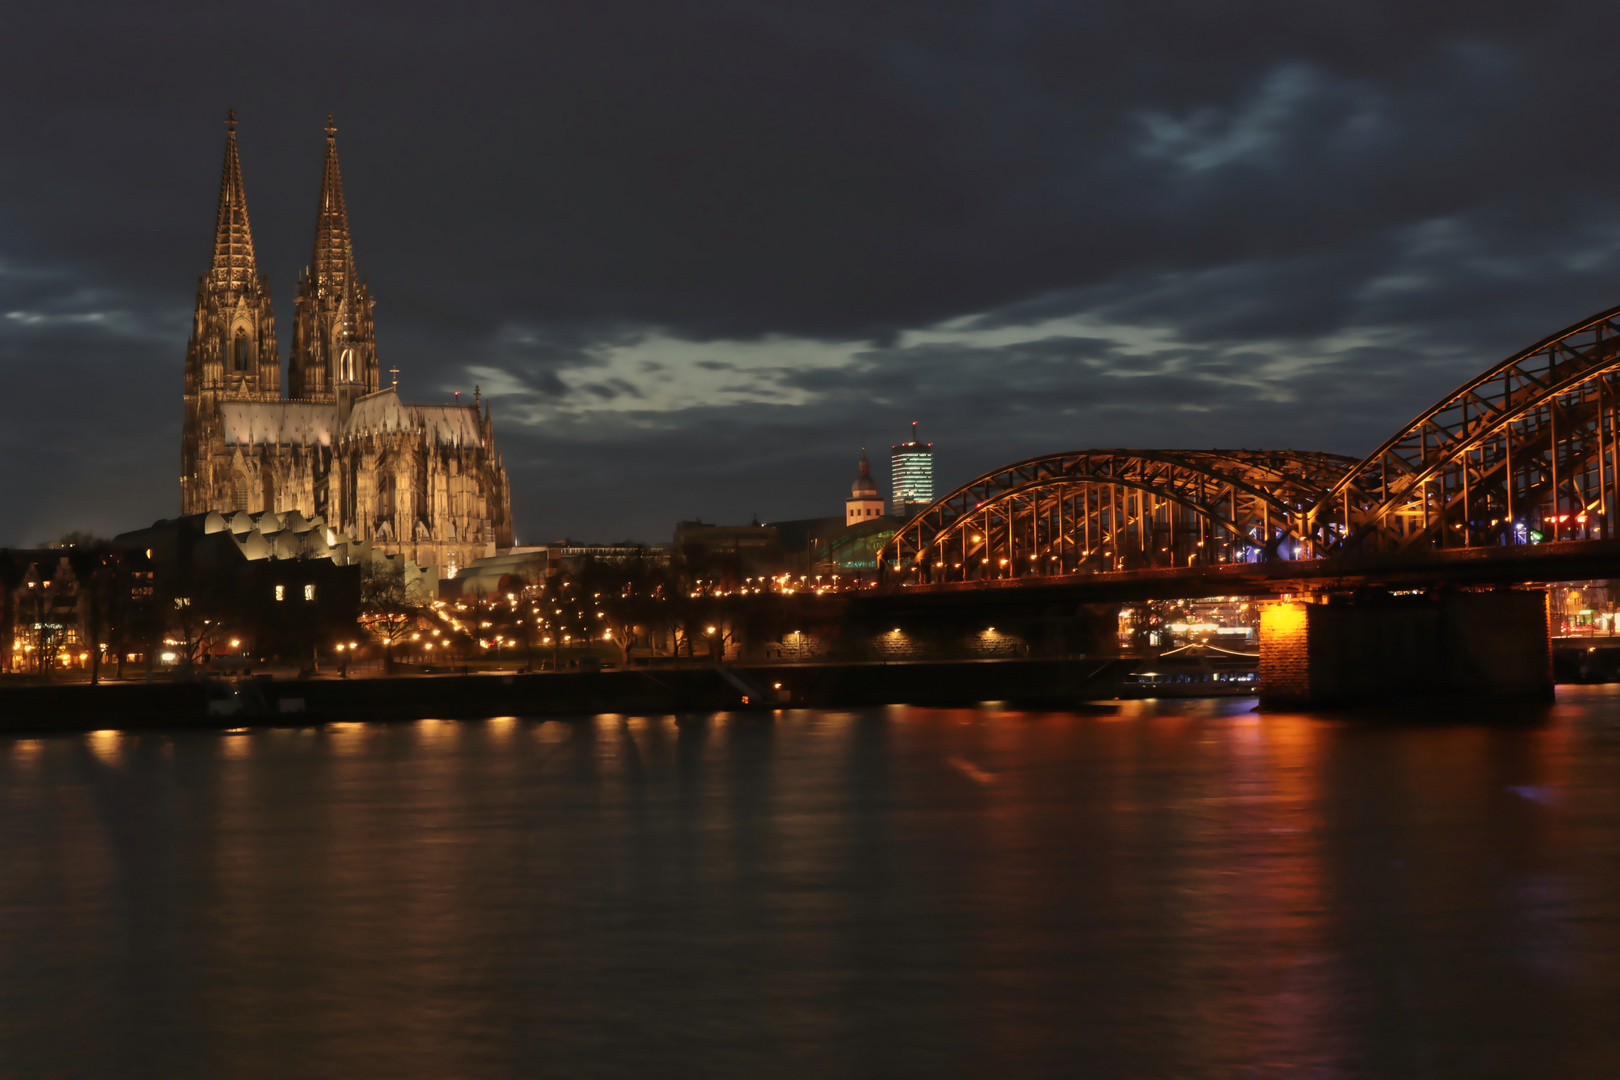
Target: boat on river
<point>1199,670</point>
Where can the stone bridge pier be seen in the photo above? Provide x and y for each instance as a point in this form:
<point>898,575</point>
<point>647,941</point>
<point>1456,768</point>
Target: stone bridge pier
<point>1390,646</point>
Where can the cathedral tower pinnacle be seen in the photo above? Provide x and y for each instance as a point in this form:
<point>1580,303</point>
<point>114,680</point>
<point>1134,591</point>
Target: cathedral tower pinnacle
<point>234,261</point>
<point>233,336</point>
<point>232,351</point>
<point>334,354</point>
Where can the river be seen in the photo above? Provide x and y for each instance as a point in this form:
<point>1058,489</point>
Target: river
<point>1142,889</point>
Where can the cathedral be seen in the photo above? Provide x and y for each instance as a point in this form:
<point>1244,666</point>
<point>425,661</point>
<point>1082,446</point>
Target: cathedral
<point>424,481</point>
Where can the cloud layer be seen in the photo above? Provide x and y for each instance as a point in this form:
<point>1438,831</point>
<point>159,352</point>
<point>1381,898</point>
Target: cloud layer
<point>700,253</point>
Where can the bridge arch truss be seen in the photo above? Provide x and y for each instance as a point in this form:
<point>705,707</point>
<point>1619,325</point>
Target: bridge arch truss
<point>1524,452</point>
<point>1095,511</point>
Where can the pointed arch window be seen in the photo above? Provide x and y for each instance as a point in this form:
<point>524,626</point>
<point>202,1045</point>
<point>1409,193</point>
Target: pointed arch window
<point>239,351</point>
<point>346,366</point>
<point>239,492</point>
<point>386,496</point>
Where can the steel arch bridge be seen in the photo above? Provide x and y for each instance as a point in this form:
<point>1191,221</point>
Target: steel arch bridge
<point>1103,510</point>
<point>1521,455</point>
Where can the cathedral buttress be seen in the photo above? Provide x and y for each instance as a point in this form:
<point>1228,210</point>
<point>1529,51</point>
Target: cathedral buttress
<point>334,355</point>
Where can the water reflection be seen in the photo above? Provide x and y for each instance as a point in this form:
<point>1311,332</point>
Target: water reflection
<point>1147,889</point>
<point>106,745</point>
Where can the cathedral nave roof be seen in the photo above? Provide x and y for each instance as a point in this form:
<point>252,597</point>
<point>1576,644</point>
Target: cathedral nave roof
<point>278,423</point>
<point>449,425</point>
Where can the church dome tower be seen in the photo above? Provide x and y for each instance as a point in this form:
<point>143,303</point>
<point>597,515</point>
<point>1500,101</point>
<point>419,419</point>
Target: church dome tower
<point>864,502</point>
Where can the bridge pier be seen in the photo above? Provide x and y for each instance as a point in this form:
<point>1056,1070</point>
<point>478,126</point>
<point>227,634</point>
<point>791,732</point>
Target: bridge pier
<point>1387,647</point>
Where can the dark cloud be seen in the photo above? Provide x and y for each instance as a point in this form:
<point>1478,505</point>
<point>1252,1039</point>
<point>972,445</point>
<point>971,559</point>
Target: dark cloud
<point>1252,222</point>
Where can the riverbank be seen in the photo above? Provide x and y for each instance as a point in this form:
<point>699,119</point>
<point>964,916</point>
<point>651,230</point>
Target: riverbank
<point>271,702</point>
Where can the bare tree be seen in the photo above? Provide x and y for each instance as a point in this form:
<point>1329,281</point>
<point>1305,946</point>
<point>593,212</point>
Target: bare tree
<point>390,605</point>
<point>76,539</point>
<point>46,613</point>
<point>632,595</point>
<point>98,588</point>
<point>195,629</point>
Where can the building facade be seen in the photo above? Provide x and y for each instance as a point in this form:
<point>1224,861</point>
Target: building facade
<point>423,481</point>
<point>912,473</point>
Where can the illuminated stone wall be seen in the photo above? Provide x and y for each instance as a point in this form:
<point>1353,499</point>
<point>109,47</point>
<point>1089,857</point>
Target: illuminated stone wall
<point>1285,652</point>
<point>898,645</point>
<point>796,645</point>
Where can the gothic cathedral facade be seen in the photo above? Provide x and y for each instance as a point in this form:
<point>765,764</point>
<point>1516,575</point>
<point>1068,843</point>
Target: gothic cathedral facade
<point>424,481</point>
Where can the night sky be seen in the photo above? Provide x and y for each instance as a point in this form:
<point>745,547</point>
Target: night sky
<point>700,253</point>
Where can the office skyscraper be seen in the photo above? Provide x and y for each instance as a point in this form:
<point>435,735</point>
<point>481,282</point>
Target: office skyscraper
<point>912,472</point>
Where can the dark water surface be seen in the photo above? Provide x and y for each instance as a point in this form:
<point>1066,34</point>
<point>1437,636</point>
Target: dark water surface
<point>1159,891</point>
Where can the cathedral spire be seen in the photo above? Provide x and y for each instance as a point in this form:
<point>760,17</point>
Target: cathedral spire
<point>231,354</point>
<point>332,265</point>
<point>234,265</point>
<point>334,349</point>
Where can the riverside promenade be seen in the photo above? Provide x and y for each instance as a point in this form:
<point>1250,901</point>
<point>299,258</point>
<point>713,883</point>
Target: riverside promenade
<point>250,702</point>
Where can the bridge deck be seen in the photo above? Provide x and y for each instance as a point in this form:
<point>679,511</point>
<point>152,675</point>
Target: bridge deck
<point>1528,564</point>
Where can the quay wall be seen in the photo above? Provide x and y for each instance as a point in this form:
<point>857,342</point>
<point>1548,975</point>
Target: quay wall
<point>300,702</point>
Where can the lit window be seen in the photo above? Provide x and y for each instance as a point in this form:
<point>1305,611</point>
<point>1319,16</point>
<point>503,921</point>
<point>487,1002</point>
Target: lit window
<point>309,592</point>
<point>281,592</point>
